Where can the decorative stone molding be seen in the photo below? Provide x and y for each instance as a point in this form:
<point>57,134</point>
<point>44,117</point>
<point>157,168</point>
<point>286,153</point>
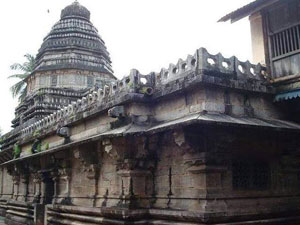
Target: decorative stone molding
<point>108,148</point>
<point>89,160</point>
<point>182,143</point>
<point>63,132</point>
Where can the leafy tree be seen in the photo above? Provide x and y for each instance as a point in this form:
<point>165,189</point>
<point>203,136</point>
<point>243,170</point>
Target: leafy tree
<point>20,88</point>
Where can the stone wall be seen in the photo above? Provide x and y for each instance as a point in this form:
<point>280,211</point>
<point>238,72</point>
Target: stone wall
<point>178,172</point>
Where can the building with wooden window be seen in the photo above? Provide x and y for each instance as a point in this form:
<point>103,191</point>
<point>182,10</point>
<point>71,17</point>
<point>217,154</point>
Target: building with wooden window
<point>275,31</point>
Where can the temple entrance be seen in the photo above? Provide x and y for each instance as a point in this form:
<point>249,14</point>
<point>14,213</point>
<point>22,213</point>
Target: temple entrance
<point>48,188</point>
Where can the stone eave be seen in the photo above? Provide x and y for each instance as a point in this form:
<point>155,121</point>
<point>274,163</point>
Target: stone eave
<point>71,47</point>
<point>194,119</point>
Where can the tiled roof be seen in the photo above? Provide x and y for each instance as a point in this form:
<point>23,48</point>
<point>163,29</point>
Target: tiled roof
<point>246,10</point>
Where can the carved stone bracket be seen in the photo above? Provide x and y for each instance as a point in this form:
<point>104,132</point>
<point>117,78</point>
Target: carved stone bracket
<point>109,149</point>
<point>89,161</point>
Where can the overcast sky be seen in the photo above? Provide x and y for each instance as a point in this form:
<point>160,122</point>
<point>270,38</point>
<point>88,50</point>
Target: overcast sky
<point>142,34</point>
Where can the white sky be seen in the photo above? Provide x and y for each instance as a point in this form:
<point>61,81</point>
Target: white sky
<point>142,34</point>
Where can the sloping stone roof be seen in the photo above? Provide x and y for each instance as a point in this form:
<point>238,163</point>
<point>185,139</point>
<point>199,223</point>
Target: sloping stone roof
<point>74,43</point>
<point>197,118</point>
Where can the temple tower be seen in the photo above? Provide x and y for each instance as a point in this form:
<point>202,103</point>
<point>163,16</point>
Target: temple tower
<point>71,60</point>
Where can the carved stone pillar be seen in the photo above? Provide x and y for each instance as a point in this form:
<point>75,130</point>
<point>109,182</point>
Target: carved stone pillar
<point>24,178</point>
<point>55,179</point>
<point>206,164</point>
<point>16,183</point>
<point>134,186</point>
<point>37,185</point>
<point>14,173</point>
<point>133,168</point>
<point>211,173</point>
<point>62,180</point>
<point>89,158</point>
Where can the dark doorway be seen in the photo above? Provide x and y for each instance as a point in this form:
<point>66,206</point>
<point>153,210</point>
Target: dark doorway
<point>48,188</point>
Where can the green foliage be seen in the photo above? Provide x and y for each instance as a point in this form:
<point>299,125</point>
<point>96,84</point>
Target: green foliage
<point>20,88</point>
<point>17,151</point>
<point>45,146</point>
<point>36,146</point>
<point>39,147</point>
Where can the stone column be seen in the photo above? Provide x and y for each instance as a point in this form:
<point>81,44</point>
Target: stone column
<point>55,179</point>
<point>62,196</point>
<point>204,167</point>
<point>133,168</point>
<point>42,187</point>
<point>133,185</point>
<point>25,181</point>
<point>16,183</point>
<point>37,181</point>
<point>89,158</point>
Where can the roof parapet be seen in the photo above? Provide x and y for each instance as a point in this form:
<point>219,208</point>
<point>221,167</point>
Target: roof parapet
<point>204,62</point>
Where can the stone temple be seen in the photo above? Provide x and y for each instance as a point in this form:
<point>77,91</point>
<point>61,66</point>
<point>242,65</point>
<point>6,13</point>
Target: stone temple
<point>207,140</point>
<point>72,59</point>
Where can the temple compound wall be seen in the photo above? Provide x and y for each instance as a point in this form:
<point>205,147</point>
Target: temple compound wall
<point>198,143</point>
